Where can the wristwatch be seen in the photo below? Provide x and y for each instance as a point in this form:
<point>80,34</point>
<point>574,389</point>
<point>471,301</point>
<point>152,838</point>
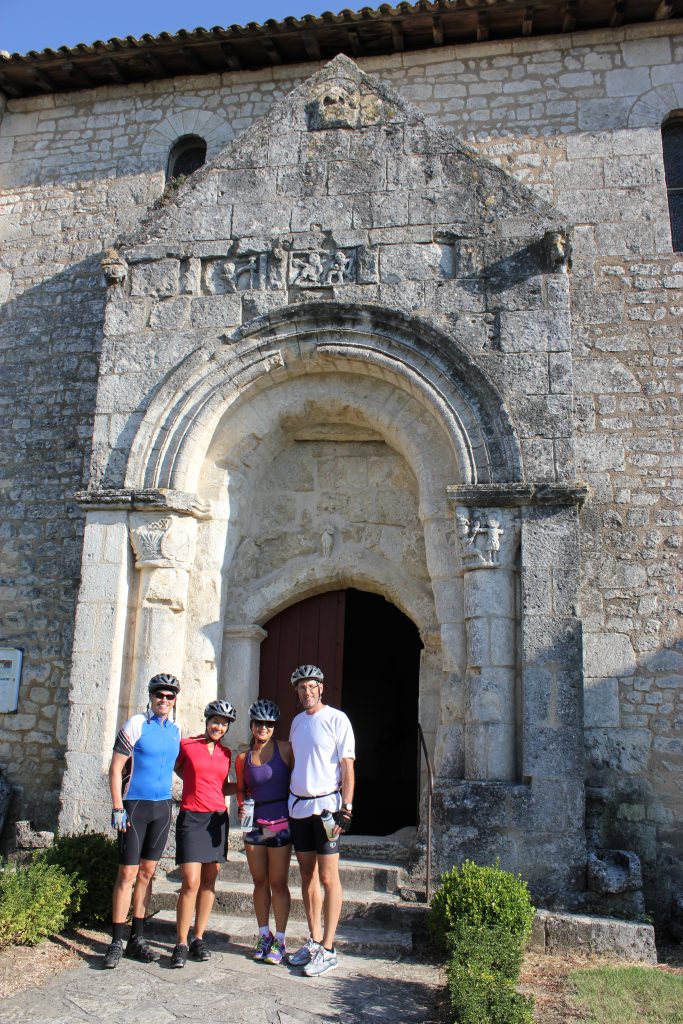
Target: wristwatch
<point>347,807</point>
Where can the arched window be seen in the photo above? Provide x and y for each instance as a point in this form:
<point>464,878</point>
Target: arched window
<point>672,147</point>
<point>187,154</point>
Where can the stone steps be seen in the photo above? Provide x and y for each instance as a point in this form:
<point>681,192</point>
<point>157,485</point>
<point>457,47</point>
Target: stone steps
<point>369,876</point>
<point>355,936</point>
<point>374,916</point>
<point>235,899</point>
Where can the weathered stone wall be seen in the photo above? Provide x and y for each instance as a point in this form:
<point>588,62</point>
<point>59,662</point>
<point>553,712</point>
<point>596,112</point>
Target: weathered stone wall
<point>577,118</point>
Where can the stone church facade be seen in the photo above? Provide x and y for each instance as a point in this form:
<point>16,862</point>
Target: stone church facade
<point>412,329</point>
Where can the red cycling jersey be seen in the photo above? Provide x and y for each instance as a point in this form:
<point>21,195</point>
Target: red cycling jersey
<point>203,774</point>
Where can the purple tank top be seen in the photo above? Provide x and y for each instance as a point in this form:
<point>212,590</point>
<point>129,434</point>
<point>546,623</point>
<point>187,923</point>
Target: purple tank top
<point>269,786</point>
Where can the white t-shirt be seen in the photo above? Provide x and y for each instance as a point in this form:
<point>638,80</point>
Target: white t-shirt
<point>319,741</point>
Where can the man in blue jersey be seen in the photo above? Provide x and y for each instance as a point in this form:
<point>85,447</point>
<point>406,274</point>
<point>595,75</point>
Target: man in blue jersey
<point>140,777</point>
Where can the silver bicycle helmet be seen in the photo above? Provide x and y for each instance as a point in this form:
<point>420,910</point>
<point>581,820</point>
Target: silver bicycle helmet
<point>264,711</point>
<point>163,681</point>
<point>220,707</point>
<point>304,672</point>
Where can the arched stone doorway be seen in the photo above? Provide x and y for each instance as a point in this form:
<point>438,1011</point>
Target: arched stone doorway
<point>370,653</point>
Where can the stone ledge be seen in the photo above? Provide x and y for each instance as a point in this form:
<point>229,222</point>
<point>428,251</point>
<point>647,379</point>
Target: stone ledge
<point>516,495</point>
<point>149,500</point>
<point>628,940</point>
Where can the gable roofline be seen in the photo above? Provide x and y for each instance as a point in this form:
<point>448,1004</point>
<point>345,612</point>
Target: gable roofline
<point>370,32</point>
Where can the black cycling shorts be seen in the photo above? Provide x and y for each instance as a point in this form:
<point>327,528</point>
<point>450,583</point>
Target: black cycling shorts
<point>149,822</point>
<point>201,837</point>
<point>309,836</point>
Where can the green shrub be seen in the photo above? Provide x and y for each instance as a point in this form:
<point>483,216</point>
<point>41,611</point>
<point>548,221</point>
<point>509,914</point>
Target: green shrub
<point>483,897</point>
<point>482,997</point>
<point>493,950</point>
<point>93,858</point>
<point>36,900</point>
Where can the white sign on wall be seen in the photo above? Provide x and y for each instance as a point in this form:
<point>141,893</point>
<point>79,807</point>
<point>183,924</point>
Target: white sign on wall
<point>10,673</point>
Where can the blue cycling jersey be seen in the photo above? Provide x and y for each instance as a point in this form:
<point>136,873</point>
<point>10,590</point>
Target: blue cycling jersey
<point>153,745</point>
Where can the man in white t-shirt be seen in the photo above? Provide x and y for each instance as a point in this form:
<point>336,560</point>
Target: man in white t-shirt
<point>322,780</point>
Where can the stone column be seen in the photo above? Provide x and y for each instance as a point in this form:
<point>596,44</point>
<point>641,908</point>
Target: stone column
<point>488,542</point>
<point>164,551</point>
<point>239,674</point>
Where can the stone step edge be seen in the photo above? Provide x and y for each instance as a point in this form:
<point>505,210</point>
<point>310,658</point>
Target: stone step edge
<point>351,935</point>
<point>555,932</point>
<point>164,887</point>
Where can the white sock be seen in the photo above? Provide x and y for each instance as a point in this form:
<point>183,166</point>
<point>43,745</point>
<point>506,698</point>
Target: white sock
<point>265,931</point>
<point>280,936</point>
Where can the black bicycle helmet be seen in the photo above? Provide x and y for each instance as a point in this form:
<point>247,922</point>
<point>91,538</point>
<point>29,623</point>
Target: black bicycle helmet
<point>304,672</point>
<point>264,711</point>
<point>220,707</point>
<point>163,681</point>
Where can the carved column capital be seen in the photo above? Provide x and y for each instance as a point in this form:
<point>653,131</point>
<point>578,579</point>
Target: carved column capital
<point>246,631</point>
<point>488,538</point>
<point>164,542</point>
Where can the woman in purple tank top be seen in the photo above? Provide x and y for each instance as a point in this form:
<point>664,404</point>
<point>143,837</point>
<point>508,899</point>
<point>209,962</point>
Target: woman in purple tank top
<point>263,774</point>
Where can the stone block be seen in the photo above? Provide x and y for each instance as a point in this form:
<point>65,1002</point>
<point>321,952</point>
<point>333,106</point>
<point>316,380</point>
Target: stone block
<point>170,314</point>
<point>550,640</point>
<point>348,177</point>
<point>607,655</point>
<point>157,280</point>
<point>601,702</point>
<point>552,752</point>
<point>557,933</point>
<point>267,218</point>
<point>415,263</point>
<point>550,539</point>
<point>598,453</point>
<point>125,316</point>
<point>619,750</point>
<point>215,311</point>
<point>527,331</point>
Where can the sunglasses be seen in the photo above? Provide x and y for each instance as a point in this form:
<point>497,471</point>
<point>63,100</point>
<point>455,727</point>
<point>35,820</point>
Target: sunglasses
<point>267,725</point>
<point>164,696</point>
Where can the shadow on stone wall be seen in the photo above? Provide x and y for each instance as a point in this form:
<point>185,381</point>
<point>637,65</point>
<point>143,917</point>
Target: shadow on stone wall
<point>634,771</point>
<point>50,338</point>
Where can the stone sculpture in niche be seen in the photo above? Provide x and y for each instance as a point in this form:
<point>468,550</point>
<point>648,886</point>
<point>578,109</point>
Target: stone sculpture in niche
<point>327,541</point>
<point>240,275</point>
<point>480,539</point>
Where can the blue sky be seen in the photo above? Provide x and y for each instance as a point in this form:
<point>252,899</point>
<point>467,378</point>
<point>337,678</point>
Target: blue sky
<point>35,24</point>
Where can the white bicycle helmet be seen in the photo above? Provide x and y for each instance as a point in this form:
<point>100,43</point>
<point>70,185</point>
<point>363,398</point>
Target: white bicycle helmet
<point>264,711</point>
<point>220,707</point>
<point>304,672</point>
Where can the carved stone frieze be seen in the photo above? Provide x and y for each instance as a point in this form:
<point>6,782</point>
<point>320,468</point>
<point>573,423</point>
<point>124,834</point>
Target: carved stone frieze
<point>162,543</point>
<point>487,538</point>
<point>318,269</point>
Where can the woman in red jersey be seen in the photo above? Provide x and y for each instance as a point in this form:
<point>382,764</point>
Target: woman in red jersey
<point>202,827</point>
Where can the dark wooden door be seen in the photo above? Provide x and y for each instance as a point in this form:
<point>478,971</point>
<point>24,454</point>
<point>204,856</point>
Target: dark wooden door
<point>310,632</point>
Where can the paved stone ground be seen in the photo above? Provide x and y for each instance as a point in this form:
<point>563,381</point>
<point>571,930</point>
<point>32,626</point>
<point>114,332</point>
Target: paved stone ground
<point>234,990</point>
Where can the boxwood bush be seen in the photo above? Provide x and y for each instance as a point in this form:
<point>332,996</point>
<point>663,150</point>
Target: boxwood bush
<point>486,897</point>
<point>93,858</point>
<point>481,917</point>
<point>36,900</point>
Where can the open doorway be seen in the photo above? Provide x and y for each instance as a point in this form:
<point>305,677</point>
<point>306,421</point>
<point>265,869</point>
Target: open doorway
<point>379,694</point>
<point>370,654</point>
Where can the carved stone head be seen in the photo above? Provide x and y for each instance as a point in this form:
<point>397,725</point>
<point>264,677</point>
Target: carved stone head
<point>334,105</point>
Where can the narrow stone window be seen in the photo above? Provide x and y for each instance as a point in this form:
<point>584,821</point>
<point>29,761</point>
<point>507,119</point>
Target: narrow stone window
<point>187,154</point>
<point>672,147</point>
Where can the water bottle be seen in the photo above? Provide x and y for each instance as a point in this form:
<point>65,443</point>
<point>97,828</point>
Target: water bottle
<point>247,819</point>
<point>328,823</point>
